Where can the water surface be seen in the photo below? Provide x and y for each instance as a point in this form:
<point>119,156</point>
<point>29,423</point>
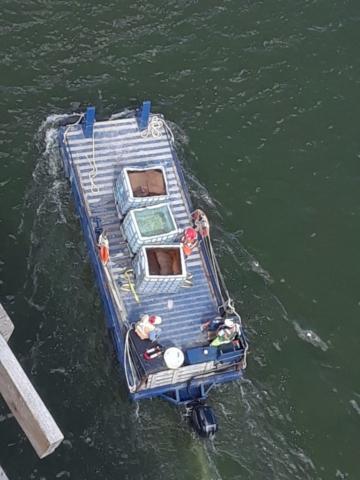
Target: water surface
<point>262,100</point>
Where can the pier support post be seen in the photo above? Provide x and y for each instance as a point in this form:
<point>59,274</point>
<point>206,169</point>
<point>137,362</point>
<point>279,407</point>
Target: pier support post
<point>88,122</point>
<point>23,400</point>
<point>6,325</point>
<point>143,115</point>
<point>2,475</point>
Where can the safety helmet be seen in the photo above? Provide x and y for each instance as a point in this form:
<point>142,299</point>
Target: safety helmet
<point>155,320</point>
<point>190,234</point>
<point>229,323</point>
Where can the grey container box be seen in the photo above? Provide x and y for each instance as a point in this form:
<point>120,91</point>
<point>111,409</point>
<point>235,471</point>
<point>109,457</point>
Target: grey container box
<point>154,225</point>
<point>126,198</point>
<point>148,283</point>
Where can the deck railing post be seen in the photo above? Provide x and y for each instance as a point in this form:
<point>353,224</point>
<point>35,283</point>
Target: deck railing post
<point>88,122</point>
<point>143,115</point>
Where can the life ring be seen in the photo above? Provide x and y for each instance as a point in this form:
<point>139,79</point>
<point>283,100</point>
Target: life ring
<point>201,223</point>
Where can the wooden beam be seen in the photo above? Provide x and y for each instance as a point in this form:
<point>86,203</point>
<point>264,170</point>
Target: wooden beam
<point>2,475</point>
<point>26,405</point>
<point>6,325</point>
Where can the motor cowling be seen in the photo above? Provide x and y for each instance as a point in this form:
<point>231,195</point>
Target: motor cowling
<point>203,421</point>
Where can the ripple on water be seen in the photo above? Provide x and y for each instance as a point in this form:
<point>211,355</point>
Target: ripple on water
<point>263,82</point>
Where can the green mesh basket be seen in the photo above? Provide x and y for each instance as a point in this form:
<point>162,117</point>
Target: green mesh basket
<point>154,221</point>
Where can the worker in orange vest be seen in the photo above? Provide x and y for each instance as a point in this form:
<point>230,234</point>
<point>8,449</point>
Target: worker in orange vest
<point>189,241</point>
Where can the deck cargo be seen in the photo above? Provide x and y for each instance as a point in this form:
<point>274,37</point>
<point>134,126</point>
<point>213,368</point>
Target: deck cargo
<point>140,187</point>
<point>151,225</point>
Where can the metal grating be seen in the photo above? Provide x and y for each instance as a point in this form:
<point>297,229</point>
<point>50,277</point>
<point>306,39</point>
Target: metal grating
<point>183,374</point>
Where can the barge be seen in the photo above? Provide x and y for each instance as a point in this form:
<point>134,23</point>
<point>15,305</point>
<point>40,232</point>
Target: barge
<point>174,326</point>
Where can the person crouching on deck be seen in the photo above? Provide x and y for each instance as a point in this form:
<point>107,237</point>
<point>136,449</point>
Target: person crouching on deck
<point>189,241</point>
<point>147,329</point>
<point>226,333</point>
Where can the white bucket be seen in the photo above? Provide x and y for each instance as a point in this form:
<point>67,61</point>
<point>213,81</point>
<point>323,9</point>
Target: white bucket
<point>173,358</point>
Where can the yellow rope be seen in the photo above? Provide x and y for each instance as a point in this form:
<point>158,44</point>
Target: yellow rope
<point>130,284</point>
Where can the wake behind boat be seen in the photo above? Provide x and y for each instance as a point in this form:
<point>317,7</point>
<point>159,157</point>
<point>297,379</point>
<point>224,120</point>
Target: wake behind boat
<point>174,326</point>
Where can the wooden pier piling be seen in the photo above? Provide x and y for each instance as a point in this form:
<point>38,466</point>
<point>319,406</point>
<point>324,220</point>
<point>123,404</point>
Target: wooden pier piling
<point>2,475</point>
<point>6,325</point>
<point>23,400</point>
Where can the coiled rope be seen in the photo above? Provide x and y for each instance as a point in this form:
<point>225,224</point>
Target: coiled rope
<point>81,116</point>
<point>128,362</point>
<point>154,128</point>
<point>93,174</point>
<point>227,301</point>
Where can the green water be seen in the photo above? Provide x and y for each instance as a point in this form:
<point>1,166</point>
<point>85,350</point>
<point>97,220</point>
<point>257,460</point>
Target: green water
<point>263,100</point>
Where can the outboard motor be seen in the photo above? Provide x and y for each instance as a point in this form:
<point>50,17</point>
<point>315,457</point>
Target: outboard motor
<point>203,421</point>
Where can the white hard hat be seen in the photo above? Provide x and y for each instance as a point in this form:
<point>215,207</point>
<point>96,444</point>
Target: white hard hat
<point>229,323</point>
<point>155,320</point>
